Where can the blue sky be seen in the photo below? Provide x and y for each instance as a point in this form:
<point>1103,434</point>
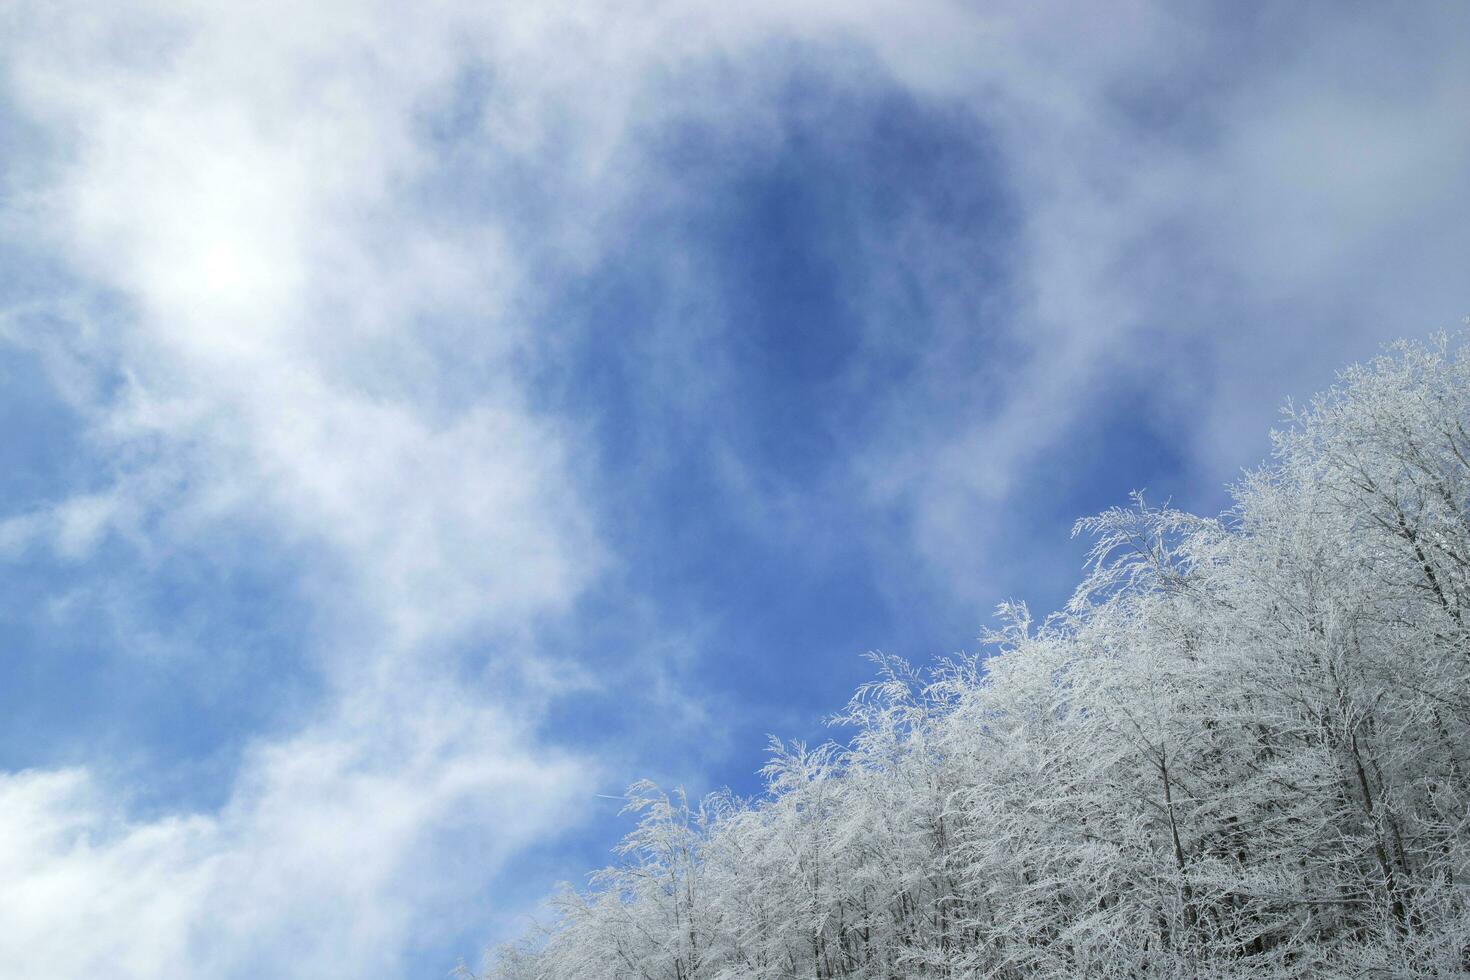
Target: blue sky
<point>421,425</point>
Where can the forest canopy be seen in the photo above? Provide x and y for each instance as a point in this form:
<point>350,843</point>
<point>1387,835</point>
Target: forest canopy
<point>1241,750</point>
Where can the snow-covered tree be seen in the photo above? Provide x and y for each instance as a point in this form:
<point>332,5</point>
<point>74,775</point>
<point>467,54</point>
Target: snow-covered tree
<point>1242,750</point>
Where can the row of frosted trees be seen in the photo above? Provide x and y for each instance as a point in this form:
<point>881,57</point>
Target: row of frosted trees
<point>1243,749</point>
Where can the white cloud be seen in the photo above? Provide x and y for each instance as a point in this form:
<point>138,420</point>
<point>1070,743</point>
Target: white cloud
<point>334,854</point>
<point>240,191</point>
<point>245,182</point>
<point>71,527</point>
<point>1218,213</point>
<point>238,182</point>
<point>127,891</point>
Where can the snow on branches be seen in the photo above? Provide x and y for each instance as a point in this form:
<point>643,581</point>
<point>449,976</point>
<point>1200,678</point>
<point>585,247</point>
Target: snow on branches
<point>1242,750</point>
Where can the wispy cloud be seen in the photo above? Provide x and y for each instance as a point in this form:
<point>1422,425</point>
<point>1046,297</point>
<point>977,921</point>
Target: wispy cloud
<point>332,846</point>
<point>241,184</point>
<point>451,309</point>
